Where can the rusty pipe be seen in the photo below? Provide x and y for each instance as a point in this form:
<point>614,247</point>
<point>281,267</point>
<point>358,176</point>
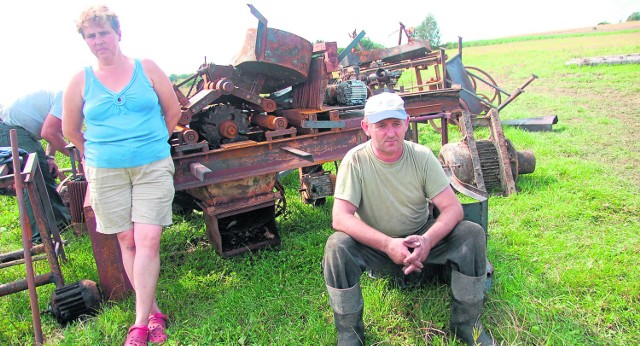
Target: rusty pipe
<point>519,91</point>
<point>189,136</point>
<point>26,238</point>
<point>269,121</point>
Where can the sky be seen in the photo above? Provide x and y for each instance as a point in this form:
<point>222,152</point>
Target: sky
<point>40,46</point>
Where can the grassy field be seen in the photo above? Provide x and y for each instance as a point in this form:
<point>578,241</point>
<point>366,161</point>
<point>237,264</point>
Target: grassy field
<point>565,247</point>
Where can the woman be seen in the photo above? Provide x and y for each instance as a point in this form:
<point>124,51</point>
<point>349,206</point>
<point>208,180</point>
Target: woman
<point>129,109</point>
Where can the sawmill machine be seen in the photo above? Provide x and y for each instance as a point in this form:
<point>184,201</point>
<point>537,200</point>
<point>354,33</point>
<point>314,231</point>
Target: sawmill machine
<point>245,123</point>
<point>286,104</point>
<point>283,104</point>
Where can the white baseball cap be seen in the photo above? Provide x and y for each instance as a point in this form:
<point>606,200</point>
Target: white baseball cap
<point>384,106</point>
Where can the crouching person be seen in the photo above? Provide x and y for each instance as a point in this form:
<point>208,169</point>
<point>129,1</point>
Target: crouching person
<point>381,217</point>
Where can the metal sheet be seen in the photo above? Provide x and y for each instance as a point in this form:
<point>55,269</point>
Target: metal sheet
<point>285,59</point>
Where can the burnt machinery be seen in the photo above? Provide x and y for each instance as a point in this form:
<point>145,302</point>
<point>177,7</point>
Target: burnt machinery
<point>244,123</point>
<point>491,165</point>
<point>21,175</point>
<point>427,99</point>
<point>447,90</point>
<point>284,104</point>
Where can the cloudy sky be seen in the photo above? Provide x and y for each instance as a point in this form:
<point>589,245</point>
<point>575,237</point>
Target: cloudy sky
<point>41,48</point>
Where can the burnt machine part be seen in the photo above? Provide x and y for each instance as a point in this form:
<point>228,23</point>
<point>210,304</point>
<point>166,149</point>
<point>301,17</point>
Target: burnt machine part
<point>316,184</point>
<point>248,138</point>
<point>458,158</point>
<point>248,231</point>
<point>77,189</point>
<point>221,123</point>
<point>351,93</point>
<point>73,190</point>
<point>383,78</point>
<point>72,301</point>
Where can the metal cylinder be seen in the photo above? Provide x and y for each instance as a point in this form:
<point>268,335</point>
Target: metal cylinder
<point>269,121</point>
<point>225,85</point>
<point>526,162</point>
<point>189,136</point>
<point>268,105</point>
<point>185,117</point>
<point>382,74</point>
<point>228,129</point>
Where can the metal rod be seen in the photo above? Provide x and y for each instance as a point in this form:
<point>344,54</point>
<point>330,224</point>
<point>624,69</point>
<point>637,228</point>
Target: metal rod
<point>21,285</point>
<point>475,95</point>
<point>18,254</point>
<point>26,238</point>
<point>353,43</point>
<point>488,83</point>
<point>21,261</point>
<point>519,91</point>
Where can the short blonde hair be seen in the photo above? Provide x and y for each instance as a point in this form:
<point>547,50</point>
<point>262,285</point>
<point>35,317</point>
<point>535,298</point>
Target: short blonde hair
<point>101,15</point>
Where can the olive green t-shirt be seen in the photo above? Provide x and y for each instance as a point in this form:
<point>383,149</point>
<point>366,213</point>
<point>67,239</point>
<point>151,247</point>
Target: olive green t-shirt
<point>391,197</point>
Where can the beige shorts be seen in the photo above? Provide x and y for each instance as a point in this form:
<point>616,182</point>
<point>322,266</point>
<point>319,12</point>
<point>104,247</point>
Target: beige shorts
<point>121,197</point>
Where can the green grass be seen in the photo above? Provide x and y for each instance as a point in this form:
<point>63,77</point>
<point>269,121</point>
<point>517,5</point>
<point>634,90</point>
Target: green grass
<point>507,40</point>
<point>565,247</point>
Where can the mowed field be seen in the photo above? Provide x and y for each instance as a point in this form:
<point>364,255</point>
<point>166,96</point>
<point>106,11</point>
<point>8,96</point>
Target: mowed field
<point>565,247</point>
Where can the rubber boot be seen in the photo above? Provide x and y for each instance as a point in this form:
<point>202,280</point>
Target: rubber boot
<point>466,307</point>
<point>347,305</point>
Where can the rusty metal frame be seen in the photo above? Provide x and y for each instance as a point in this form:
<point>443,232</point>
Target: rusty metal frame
<point>257,158</point>
<point>31,180</point>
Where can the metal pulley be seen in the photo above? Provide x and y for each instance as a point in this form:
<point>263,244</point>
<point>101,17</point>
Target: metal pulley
<point>74,300</point>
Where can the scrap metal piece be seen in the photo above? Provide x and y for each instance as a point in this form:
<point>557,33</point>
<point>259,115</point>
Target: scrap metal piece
<point>508,182</point>
<point>72,301</point>
<point>413,50</point>
<point>467,130</point>
<point>302,154</point>
<point>518,91</point>
<point>283,54</point>
<point>534,124</point>
<point>316,186</point>
<point>199,170</point>
<point>457,158</point>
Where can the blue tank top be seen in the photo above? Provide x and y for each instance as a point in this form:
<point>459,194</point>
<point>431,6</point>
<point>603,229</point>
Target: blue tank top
<point>123,129</point>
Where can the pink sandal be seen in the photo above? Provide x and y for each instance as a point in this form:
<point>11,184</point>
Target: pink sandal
<point>157,325</point>
<point>137,335</point>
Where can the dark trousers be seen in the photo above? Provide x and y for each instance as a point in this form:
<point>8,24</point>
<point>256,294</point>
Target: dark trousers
<point>30,144</point>
<point>463,250</point>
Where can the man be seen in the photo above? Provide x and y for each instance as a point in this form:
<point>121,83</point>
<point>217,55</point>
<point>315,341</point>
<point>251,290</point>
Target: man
<point>381,217</point>
<point>36,116</point>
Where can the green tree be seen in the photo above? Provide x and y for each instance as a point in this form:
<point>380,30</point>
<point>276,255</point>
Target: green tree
<point>429,30</point>
<point>367,44</point>
<point>634,16</point>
